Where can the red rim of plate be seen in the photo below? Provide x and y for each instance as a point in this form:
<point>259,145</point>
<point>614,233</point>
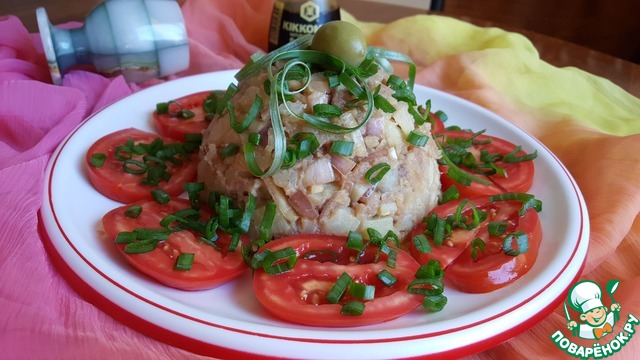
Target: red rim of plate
<point>204,348</point>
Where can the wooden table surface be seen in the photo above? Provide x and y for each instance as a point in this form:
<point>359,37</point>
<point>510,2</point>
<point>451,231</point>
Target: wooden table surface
<point>625,74</point>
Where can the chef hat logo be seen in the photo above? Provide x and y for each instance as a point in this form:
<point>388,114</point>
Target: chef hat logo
<point>586,295</point>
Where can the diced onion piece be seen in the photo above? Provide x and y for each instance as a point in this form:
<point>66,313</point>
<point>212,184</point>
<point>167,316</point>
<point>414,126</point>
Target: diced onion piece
<point>303,206</point>
<point>380,224</point>
<point>281,201</point>
<point>343,164</point>
<point>375,126</point>
<point>358,191</point>
<point>319,172</point>
<point>341,222</point>
<point>403,118</point>
<point>388,209</point>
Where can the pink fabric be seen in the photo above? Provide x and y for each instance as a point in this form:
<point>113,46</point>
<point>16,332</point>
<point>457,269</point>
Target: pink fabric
<point>42,317</point>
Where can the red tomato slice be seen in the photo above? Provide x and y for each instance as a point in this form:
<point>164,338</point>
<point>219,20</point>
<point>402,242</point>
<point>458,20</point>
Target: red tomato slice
<point>176,127</point>
<point>438,124</point>
<point>111,180</point>
<point>519,175</point>
<point>211,267</point>
<point>299,295</point>
<point>492,268</point>
<point>451,248</point>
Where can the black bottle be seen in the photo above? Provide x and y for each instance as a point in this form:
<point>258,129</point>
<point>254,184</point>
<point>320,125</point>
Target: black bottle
<point>293,18</point>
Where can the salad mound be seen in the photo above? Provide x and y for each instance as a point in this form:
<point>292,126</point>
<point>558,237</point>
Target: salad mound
<point>336,147</point>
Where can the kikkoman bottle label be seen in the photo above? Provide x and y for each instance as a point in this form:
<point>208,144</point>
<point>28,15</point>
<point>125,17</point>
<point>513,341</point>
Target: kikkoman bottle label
<point>290,21</point>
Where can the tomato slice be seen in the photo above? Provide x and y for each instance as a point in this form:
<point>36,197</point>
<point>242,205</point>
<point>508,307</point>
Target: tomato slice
<point>438,125</point>
<point>211,267</point>
<point>299,295</point>
<point>518,176</point>
<point>477,271</point>
<point>111,180</point>
<point>175,127</point>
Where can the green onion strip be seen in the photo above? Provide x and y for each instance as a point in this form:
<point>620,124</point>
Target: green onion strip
<point>299,59</point>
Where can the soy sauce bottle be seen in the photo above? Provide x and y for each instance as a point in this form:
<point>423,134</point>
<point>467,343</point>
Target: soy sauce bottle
<point>293,18</point>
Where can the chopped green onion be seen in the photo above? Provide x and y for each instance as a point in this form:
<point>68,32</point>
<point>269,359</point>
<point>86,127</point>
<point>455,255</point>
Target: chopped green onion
<point>497,228</point>
<point>416,139</point>
<point>133,212</point>
<point>280,261</point>
<point>352,308</point>
<point>340,147</point>
<point>254,110</point>
<point>442,115</point>
<point>521,241</point>
<point>326,110</point>
<point>193,190</point>
<point>434,303</point>
<point>160,196</point>
<point>488,157</point>
<point>387,278</point>
<point>383,104</point>
<point>185,114</point>
<point>290,158</point>
<point>162,107</point>
<point>391,235</point>
<point>125,237</point>
<point>422,244</point>
<point>332,78</point>
<point>152,234</point>
<point>264,232</point>
<point>254,138</point>
<point>392,255</point>
<point>251,257</point>
<point>395,82</point>
<point>438,228</point>
<point>378,53</point>
<point>476,244</point>
<point>98,159</point>
<point>306,143</point>
<point>355,241</point>
<point>528,201</point>
<point>417,115</point>
<point>431,270</point>
<point>235,241</point>
<point>184,262</point>
<point>477,216</point>
<point>338,288</point>
<point>351,84</point>
<point>451,193</point>
<point>229,150</point>
<point>134,167</point>
<point>377,172</point>
<point>140,247</point>
<point>249,209</point>
<point>224,211</point>
<point>426,286</point>
<point>512,157</point>
<point>458,175</point>
<point>362,291</point>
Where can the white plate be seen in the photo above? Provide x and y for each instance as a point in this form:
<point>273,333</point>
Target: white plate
<point>228,321</point>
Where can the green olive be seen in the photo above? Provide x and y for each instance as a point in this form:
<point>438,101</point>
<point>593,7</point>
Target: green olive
<point>341,39</point>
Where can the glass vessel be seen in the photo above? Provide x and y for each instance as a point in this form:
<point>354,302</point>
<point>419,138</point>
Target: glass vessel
<point>140,39</point>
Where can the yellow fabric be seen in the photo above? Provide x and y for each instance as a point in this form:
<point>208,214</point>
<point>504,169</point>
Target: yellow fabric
<point>592,125</point>
<point>491,53</point>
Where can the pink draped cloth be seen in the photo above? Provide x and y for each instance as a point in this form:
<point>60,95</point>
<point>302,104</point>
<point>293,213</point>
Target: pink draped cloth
<point>41,316</point>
